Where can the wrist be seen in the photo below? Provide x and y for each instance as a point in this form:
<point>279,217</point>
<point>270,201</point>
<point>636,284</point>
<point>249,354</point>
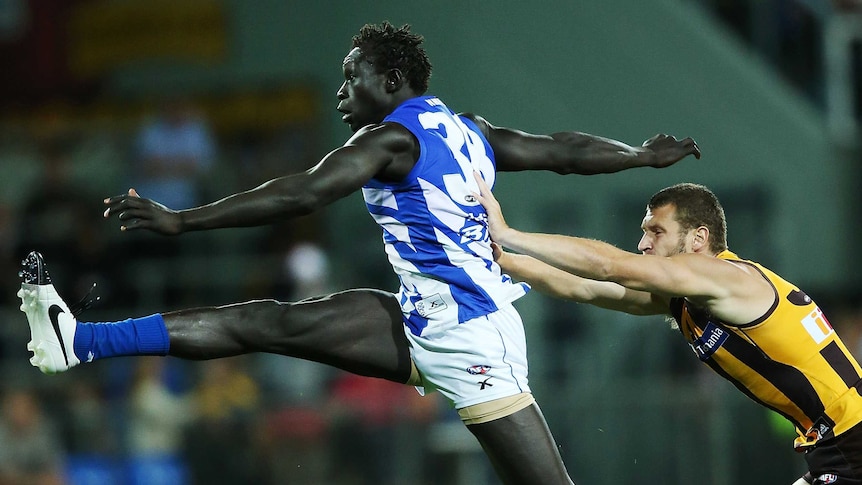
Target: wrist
<point>505,237</point>
<point>649,158</point>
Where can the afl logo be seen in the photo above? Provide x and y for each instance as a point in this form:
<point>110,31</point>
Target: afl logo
<point>798,298</point>
<point>478,369</point>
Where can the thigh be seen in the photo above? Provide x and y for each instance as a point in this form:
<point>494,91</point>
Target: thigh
<point>522,449</point>
<point>360,331</point>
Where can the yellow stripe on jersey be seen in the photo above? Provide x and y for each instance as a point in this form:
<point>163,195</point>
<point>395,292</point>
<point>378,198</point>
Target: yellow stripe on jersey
<point>789,360</point>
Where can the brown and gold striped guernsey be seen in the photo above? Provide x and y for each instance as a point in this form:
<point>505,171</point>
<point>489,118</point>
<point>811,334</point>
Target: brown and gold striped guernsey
<point>789,360</point>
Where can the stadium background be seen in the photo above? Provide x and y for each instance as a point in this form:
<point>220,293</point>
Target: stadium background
<point>769,89</point>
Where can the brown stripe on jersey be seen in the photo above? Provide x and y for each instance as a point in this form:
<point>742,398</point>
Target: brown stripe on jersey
<point>787,379</point>
<point>842,365</point>
<point>720,371</point>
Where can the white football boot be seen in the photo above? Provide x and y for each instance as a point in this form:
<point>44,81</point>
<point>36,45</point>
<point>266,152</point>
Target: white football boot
<point>52,323</point>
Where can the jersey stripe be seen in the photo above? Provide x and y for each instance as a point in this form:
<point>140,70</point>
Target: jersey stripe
<point>842,365</point>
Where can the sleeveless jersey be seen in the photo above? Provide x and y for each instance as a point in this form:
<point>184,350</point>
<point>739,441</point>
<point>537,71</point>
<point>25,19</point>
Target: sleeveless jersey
<point>435,231</point>
<point>789,360</point>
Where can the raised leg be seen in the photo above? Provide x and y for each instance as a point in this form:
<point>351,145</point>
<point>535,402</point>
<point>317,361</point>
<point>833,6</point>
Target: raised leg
<point>359,331</point>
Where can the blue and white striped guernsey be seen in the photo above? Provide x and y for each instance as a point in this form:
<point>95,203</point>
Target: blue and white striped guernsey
<point>434,230</point>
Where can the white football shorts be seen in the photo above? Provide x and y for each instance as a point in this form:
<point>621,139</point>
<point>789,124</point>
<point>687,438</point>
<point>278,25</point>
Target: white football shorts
<point>474,362</point>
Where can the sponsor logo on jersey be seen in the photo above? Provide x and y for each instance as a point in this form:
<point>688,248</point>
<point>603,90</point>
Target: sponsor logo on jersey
<point>475,228</point>
<point>798,298</point>
<point>713,337</point>
<point>478,369</point>
<point>430,305</point>
<point>819,430</point>
<point>485,383</point>
<point>826,479</point>
<point>817,326</point>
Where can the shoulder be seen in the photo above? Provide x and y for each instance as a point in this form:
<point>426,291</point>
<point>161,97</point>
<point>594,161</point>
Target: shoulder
<point>389,146</point>
<point>477,120</point>
<point>393,136</point>
<point>710,265</point>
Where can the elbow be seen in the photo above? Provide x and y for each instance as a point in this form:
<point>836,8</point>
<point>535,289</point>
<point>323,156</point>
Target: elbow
<point>304,204</point>
<point>293,205</point>
<point>565,160</point>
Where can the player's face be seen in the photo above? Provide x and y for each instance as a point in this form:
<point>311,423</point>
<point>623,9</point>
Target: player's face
<point>663,235</point>
<point>362,97</point>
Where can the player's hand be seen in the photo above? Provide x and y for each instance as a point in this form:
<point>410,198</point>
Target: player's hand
<point>668,150</point>
<point>503,258</point>
<point>496,222</point>
<point>136,212</point>
<point>497,251</point>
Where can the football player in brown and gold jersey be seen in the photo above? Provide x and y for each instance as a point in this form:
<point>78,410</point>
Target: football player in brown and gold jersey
<point>747,323</point>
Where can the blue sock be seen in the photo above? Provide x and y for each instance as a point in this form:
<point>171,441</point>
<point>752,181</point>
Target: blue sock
<point>134,336</point>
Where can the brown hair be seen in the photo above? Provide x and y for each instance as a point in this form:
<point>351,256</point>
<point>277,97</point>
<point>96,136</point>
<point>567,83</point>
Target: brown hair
<point>696,206</point>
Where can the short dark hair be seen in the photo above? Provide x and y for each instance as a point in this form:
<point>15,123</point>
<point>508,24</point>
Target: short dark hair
<point>387,47</point>
<point>696,206</point>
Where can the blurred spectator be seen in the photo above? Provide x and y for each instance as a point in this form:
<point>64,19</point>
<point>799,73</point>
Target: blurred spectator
<point>220,444</point>
<point>8,266</point>
<point>157,414</point>
<point>60,219</point>
<point>30,452</point>
<point>307,267</point>
<point>87,427</point>
<point>381,433</point>
<point>173,151</point>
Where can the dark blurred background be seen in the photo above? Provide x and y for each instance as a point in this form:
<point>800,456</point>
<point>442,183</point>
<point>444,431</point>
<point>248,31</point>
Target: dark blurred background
<point>190,101</point>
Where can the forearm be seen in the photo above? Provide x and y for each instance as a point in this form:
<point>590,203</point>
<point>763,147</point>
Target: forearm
<point>586,154</point>
<point>583,257</point>
<point>542,277</point>
<point>278,199</point>
<point>561,284</point>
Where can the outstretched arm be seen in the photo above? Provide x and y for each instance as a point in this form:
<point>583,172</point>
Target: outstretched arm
<point>581,153</point>
<point>338,174</point>
<point>592,259</point>
<point>736,293</point>
<point>560,284</point>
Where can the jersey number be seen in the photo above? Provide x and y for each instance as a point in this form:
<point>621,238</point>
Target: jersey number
<point>460,139</point>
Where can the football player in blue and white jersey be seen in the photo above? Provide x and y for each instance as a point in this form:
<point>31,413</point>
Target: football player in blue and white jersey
<point>450,326</point>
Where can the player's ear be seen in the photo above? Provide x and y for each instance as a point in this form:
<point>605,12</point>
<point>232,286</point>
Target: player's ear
<point>394,80</point>
<point>701,239</point>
